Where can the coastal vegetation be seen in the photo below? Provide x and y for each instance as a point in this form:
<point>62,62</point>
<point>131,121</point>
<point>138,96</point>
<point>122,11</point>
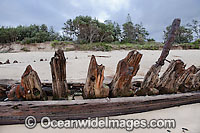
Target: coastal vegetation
<point>87,33</point>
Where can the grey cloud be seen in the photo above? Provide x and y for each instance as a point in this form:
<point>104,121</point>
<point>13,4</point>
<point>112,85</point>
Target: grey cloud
<point>154,14</point>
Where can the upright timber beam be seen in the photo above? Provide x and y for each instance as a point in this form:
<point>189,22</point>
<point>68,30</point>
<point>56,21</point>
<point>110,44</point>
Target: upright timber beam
<point>126,68</point>
<point>58,71</point>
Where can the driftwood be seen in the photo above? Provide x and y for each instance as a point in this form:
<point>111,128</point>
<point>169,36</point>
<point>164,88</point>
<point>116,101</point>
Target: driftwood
<point>152,76</point>
<point>168,81</point>
<point>94,87</point>
<point>15,112</point>
<point>126,69</point>
<point>104,56</point>
<point>58,71</point>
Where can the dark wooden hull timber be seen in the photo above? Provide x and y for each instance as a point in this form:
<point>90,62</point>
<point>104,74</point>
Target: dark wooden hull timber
<point>15,112</point>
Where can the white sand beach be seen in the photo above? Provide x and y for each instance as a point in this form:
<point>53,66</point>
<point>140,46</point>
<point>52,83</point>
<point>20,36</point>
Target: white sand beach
<point>187,116</point>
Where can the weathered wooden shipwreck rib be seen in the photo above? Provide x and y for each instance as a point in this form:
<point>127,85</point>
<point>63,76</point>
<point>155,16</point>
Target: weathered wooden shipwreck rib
<point>58,70</point>
<point>29,89</point>
<point>126,69</point>
<point>176,78</point>
<point>15,112</point>
<point>94,87</point>
<point>115,97</point>
<point>151,79</point>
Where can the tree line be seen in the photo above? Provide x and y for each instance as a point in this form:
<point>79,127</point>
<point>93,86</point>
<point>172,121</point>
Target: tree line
<point>28,34</point>
<point>186,33</point>
<point>85,29</point>
<point>88,30</point>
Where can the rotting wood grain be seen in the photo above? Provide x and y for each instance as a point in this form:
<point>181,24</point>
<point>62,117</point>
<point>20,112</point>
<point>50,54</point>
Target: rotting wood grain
<point>128,67</point>
<point>15,112</point>
<point>94,87</point>
<point>58,71</point>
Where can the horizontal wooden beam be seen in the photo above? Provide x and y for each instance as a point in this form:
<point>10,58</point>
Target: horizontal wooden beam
<point>15,112</point>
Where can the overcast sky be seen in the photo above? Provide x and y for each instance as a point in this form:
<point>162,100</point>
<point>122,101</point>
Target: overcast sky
<point>154,14</point>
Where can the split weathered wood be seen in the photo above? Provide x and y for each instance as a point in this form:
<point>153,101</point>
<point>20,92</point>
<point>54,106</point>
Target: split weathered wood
<point>58,71</point>
<point>168,81</point>
<point>126,68</point>
<point>184,82</point>
<point>2,93</point>
<point>196,80</point>
<point>94,87</point>
<point>31,88</point>
<point>152,76</point>
<point>150,80</point>
<point>12,112</point>
<point>16,93</point>
<point>189,80</point>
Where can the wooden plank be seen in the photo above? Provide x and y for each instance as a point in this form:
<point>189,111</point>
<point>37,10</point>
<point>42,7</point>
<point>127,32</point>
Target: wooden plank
<point>15,112</point>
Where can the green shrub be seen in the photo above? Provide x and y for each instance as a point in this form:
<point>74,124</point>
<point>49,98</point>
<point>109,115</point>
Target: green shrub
<point>54,43</point>
<point>190,45</point>
<point>196,41</point>
<point>26,41</point>
<point>25,49</point>
<point>68,42</point>
<point>102,47</point>
<point>146,46</point>
<point>82,41</point>
<point>69,49</point>
<point>29,40</point>
<point>116,42</point>
<point>150,47</point>
<point>151,40</point>
<point>95,47</point>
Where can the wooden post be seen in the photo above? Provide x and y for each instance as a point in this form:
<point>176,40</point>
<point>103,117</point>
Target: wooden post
<point>58,71</point>
<point>126,69</point>
<point>94,87</point>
